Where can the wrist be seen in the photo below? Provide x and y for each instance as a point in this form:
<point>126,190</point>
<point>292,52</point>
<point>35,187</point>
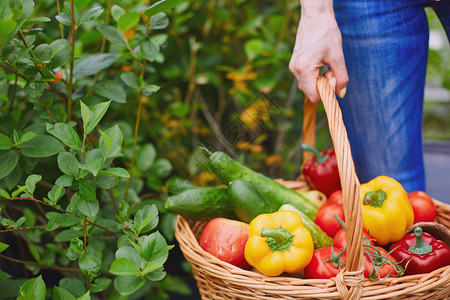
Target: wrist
<point>313,7</point>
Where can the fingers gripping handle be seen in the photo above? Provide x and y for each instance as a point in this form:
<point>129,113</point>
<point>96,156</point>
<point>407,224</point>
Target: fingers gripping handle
<point>350,189</point>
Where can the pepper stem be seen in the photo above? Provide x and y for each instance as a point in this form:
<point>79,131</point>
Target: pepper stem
<point>278,239</point>
<point>320,158</point>
<point>420,247</point>
<point>375,198</point>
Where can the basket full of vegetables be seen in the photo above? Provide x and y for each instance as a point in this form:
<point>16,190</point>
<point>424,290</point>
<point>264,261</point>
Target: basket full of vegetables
<point>324,236</point>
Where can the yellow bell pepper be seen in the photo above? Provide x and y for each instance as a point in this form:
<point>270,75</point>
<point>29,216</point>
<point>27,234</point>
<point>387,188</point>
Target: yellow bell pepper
<point>386,210</point>
<point>278,242</point>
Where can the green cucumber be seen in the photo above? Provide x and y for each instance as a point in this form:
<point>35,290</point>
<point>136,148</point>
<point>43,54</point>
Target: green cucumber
<point>227,169</point>
<point>203,203</point>
<point>320,238</point>
<point>246,201</point>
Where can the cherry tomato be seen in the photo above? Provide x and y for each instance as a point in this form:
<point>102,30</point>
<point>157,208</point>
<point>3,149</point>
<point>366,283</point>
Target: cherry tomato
<point>336,197</point>
<point>423,206</point>
<point>226,239</point>
<point>326,220</point>
<point>58,77</point>
<point>319,269</point>
<point>340,239</point>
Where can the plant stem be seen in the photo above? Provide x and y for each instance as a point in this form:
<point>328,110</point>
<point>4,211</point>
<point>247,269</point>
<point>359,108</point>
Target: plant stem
<point>61,26</point>
<point>22,228</point>
<point>72,27</point>
<point>38,265</point>
<point>13,94</point>
<point>88,283</point>
<point>65,211</point>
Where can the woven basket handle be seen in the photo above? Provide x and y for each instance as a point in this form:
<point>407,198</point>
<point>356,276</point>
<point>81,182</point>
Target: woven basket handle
<point>349,280</point>
<point>309,127</point>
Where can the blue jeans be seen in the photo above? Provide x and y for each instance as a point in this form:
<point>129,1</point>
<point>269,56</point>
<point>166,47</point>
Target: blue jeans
<point>385,46</point>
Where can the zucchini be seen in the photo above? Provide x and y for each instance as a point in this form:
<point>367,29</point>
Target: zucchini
<point>320,238</point>
<point>202,203</point>
<point>246,201</point>
<point>227,169</point>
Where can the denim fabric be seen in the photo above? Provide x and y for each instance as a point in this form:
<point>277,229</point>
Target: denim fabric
<point>385,46</point>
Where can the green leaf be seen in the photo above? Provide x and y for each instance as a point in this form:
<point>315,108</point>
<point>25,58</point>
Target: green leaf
<point>86,296</point>
<point>31,182</point>
<point>111,90</point>
<point>127,285</point>
<point>63,220</point>
<point>97,113</point>
<point>117,12</point>
<point>88,208</point>
<point>145,157</point>
<point>149,50</point>
<point>68,164</point>
<point>100,284</point>
<point>61,53</point>
<point>146,218</point>
<point>86,115</point>
<point>34,252</point>
<point>150,89</point>
<point>156,275</point>
<point>161,168</point>
<point>29,215</point>
<point>87,192</point>
<point>56,193</point>
<point>64,18</point>
<point>41,146</point>
<point>161,6</point>
<point>253,48</point>
<point>106,181</point>
<point>118,172</point>
<point>19,222</point>
<point>123,266</point>
<point>33,287</point>
<point>113,35</point>
<point>77,246</point>
<point>116,141</point>
<point>4,194</point>
<point>131,254</point>
<point>154,248</point>
<point>89,65</point>
<point>34,89</point>
<point>65,134</point>
<point>3,247</point>
<point>68,235</point>
<point>5,142</point>
<point>91,14</point>
<point>130,79</point>
<point>93,166</point>
<point>159,21</point>
<point>128,20</point>
<point>62,294</point>
<point>37,20</point>
<point>106,142</point>
<point>90,263</point>
<point>64,180</point>
<point>73,285</point>
<point>6,28</point>
<point>8,161</point>
<point>150,267</point>
<point>27,136</point>
<point>43,52</point>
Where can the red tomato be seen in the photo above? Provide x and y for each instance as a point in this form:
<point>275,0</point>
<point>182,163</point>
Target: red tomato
<point>57,76</point>
<point>382,269</point>
<point>340,239</point>
<point>336,197</point>
<point>226,239</point>
<point>326,220</point>
<point>423,206</point>
<point>319,269</point>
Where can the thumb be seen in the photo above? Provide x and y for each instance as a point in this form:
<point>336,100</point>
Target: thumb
<point>340,73</point>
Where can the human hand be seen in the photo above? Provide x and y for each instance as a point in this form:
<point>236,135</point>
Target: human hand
<point>318,43</point>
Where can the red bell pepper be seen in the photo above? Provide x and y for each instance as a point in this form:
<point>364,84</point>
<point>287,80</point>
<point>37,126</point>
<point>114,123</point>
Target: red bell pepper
<point>421,252</point>
<point>321,172</point>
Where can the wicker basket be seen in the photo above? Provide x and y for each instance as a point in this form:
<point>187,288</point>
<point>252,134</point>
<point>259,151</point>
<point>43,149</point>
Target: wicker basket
<point>219,280</point>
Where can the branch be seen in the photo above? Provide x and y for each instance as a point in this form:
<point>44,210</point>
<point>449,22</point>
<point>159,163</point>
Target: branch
<point>22,228</point>
<point>38,265</point>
